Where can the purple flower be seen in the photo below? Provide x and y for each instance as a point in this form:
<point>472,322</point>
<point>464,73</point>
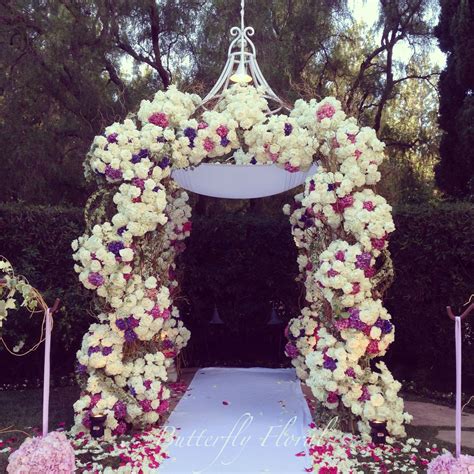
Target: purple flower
<point>143,153</point>
<point>288,129</point>
<point>384,325</point>
<point>354,320</point>
<point>132,322</point>
<point>106,351</point>
<point>121,324</point>
<point>331,186</point>
<point>167,344</point>
<point>121,230</point>
<point>329,363</point>
<point>121,429</point>
<point>291,351</point>
<point>132,391</point>
<point>130,335</point>
<point>365,394</point>
<point>81,369</point>
<point>95,279</point>
<point>225,141</point>
<point>190,133</point>
<point>120,410</point>
<point>112,138</point>
<point>115,247</point>
<point>164,163</point>
<point>92,350</point>
<point>112,173</point>
<point>363,260</point>
<point>253,161</point>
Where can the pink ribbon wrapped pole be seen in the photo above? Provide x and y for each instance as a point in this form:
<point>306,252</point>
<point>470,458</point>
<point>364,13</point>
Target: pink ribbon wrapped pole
<point>458,341</point>
<point>47,371</point>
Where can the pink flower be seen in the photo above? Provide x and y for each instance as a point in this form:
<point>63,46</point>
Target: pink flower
<point>325,111</point>
<point>351,137</point>
<point>343,203</point>
<point>159,118</point>
<point>357,154</point>
<point>448,463</point>
<point>222,131</point>
<point>333,397</point>
<point>332,273</point>
<point>340,255</point>
<point>208,144</point>
<point>164,407</point>
<point>369,205</point>
<point>291,169</point>
<point>373,347</point>
<point>52,454</point>
<point>202,125</point>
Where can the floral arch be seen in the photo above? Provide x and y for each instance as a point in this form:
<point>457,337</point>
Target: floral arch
<point>139,217</point>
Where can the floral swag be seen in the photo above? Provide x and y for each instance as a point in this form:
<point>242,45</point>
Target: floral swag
<point>139,217</point>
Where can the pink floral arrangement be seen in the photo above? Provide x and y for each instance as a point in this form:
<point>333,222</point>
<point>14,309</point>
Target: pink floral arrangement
<point>447,463</point>
<point>52,454</point>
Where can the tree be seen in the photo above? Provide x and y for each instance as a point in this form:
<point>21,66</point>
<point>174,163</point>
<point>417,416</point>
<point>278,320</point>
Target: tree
<point>455,31</point>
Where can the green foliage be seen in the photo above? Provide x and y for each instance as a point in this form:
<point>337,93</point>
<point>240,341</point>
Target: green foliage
<point>242,261</point>
<point>434,268</point>
<point>455,172</point>
<point>37,241</point>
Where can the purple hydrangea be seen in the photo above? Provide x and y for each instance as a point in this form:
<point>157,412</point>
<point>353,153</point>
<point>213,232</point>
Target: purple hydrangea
<point>165,162</point>
<point>115,247</point>
<point>384,325</point>
<point>365,394</point>
<point>112,138</point>
<point>95,279</point>
<point>112,173</point>
<point>130,335</point>
<point>106,351</point>
<point>288,128</point>
<point>329,363</point>
<point>132,322</point>
<point>121,230</point>
<point>121,324</point>
<point>225,141</point>
<point>92,350</point>
<point>190,133</point>
<point>363,260</point>
<point>143,153</point>
<point>120,410</point>
<point>253,161</point>
<point>291,350</point>
<point>81,369</point>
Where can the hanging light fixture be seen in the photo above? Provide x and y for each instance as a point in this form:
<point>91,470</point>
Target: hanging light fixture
<point>241,75</point>
<point>241,181</point>
<point>242,53</point>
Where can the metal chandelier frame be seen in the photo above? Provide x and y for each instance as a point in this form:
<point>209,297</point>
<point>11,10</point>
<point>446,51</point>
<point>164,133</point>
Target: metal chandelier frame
<point>242,57</point>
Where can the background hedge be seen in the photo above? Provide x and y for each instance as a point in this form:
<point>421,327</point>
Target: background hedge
<point>240,264</point>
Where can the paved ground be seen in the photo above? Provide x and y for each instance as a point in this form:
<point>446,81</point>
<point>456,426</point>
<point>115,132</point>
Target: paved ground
<point>443,419</point>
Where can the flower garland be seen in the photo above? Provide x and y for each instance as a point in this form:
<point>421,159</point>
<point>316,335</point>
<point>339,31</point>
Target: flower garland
<point>141,217</point>
<point>12,286</point>
<point>341,228</point>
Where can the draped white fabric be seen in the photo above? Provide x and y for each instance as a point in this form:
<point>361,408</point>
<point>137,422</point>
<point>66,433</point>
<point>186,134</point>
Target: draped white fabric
<point>234,420</point>
<point>239,181</point>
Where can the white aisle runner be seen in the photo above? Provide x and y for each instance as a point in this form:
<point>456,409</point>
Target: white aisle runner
<point>235,420</point>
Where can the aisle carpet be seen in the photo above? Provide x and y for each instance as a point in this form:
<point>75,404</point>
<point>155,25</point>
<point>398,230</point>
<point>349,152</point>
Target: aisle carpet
<point>234,420</point>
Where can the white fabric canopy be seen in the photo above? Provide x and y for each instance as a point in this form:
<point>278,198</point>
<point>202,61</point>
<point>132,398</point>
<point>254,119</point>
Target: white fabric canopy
<point>234,420</point>
<point>239,181</point>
